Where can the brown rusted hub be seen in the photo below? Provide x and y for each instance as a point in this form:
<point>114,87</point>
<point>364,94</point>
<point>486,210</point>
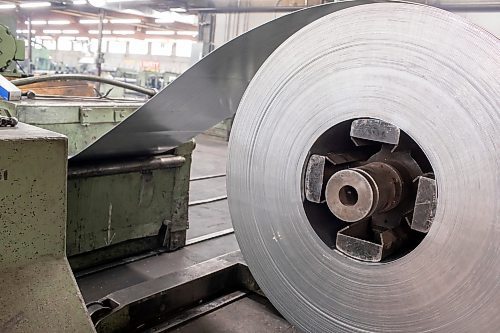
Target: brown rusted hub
<point>357,193</point>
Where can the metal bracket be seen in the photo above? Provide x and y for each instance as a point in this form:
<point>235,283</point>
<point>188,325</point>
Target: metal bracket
<point>313,180</point>
<point>8,121</point>
<point>356,242</point>
<point>367,131</point>
<point>158,302</point>
<point>425,205</point>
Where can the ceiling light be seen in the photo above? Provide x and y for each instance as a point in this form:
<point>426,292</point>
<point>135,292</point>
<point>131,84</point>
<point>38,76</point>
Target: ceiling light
<point>92,21</point>
<point>52,31</point>
<point>123,32</point>
<point>115,1</point>
<point>7,6</point>
<point>36,22</point>
<point>96,32</point>
<point>178,10</point>
<point>79,2</point>
<point>34,4</point>
<point>25,31</point>
<point>43,37</point>
<point>70,32</point>
<point>58,22</point>
<point>125,21</point>
<point>133,12</point>
<point>97,3</point>
<point>187,33</point>
<point>170,17</point>
<point>165,20</point>
<point>160,32</point>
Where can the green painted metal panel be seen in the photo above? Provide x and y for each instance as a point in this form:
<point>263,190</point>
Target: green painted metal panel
<point>123,214</point>
<point>111,209</point>
<point>96,115</point>
<point>83,123</point>
<point>20,50</point>
<point>79,136</point>
<point>33,194</point>
<point>44,115</point>
<point>117,215</point>
<point>38,290</point>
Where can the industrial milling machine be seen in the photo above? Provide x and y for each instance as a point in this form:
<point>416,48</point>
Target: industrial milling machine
<point>362,181</point>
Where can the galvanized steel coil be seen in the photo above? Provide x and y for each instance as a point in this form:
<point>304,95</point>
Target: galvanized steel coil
<point>436,77</point>
<point>428,73</point>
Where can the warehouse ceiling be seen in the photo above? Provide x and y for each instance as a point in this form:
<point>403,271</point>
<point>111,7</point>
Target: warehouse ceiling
<point>178,18</point>
<point>81,18</point>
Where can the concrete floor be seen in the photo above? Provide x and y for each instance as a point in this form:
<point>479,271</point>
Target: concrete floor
<point>209,158</point>
<point>253,314</point>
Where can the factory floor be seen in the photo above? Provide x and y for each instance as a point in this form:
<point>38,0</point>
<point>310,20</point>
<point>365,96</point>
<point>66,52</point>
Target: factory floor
<point>209,158</point>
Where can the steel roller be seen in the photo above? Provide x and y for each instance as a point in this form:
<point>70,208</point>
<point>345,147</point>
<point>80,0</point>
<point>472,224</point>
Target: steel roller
<point>378,122</point>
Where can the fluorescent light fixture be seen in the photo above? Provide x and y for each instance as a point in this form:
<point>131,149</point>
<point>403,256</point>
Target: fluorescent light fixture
<point>79,2</point>
<point>160,32</point>
<point>38,4</point>
<point>165,20</point>
<point>170,17</point>
<point>123,32</point>
<point>25,31</point>
<point>70,32</point>
<point>178,10</point>
<point>36,22</point>
<point>52,31</point>
<point>82,38</point>
<point>7,6</point>
<point>97,3</point>
<point>187,33</point>
<point>133,12</point>
<point>43,37</point>
<point>96,32</point>
<point>58,22</point>
<point>115,1</point>
<point>92,21</point>
<point>125,21</point>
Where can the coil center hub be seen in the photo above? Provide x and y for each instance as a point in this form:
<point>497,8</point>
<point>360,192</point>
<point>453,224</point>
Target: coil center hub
<point>355,194</point>
<point>378,188</point>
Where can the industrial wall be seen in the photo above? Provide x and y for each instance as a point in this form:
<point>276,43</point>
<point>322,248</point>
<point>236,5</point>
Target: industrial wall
<point>488,20</point>
<point>231,25</point>
<point>170,64</point>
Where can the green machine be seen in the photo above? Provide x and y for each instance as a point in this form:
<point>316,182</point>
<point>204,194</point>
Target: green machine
<point>36,280</point>
<point>116,208</point>
<point>11,50</point>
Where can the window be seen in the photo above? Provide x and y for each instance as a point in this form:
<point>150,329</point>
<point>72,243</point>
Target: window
<point>183,48</point>
<point>161,48</point>
<point>138,47</point>
<point>50,44</point>
<point>117,46</point>
<point>64,44</point>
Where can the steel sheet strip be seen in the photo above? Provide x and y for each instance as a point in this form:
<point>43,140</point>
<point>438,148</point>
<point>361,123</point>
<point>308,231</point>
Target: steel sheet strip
<point>436,77</point>
<point>205,94</point>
